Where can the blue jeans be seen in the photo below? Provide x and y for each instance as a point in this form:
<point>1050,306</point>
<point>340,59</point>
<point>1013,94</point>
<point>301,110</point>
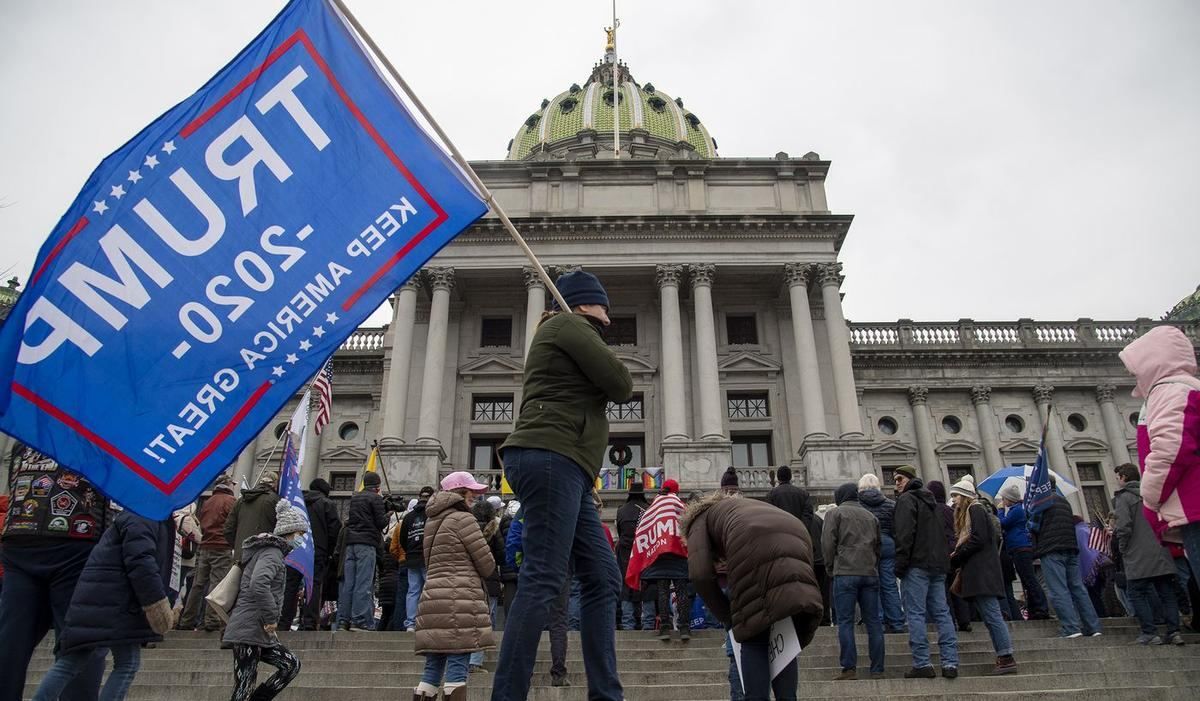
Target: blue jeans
<point>891,611</point>
<point>454,667</point>
<point>627,608</point>
<point>1143,591</point>
<point>735,680</point>
<point>561,523</point>
<point>849,590</point>
<point>756,672</point>
<point>989,611</point>
<point>356,600</point>
<point>925,591</point>
<point>1071,602</point>
<point>477,657</point>
<point>126,660</point>
<point>416,584</point>
<point>38,585</point>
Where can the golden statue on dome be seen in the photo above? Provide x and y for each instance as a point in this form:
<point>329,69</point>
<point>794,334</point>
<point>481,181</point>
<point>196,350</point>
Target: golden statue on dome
<point>612,38</point>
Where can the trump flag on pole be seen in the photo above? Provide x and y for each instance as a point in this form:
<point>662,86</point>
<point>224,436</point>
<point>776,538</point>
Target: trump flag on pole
<point>212,264</point>
<point>300,558</point>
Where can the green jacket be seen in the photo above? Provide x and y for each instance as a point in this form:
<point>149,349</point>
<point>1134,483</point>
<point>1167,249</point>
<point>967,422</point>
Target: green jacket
<point>570,376</point>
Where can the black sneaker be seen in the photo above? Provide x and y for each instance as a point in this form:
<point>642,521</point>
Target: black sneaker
<point>922,673</point>
<point>664,634</point>
<point>685,634</point>
<point>948,672</point>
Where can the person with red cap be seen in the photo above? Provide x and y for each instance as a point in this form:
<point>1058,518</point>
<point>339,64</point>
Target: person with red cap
<point>659,558</point>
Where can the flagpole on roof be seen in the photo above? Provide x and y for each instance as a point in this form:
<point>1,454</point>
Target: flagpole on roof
<point>454,152</point>
<point>616,87</point>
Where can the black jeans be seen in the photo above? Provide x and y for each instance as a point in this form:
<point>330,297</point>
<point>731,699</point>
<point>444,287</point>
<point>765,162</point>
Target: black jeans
<point>293,592</point>
<point>1141,593</point>
<point>1035,598</point>
<point>38,586</point>
<point>756,671</point>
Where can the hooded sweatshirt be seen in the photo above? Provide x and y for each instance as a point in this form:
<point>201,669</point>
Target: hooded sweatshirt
<point>920,531</point>
<point>883,508</point>
<point>1164,363</point>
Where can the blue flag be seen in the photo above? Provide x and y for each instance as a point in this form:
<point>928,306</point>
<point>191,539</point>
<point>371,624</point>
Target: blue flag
<point>212,264</point>
<point>300,558</point>
<point>1039,495</point>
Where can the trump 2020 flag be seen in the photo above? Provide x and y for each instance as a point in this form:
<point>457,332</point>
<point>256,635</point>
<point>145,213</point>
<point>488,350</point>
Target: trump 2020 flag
<point>300,558</point>
<point>1039,494</point>
<point>212,264</point>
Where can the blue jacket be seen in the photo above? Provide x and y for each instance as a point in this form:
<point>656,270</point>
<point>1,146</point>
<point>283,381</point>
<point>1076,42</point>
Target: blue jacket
<point>514,543</point>
<point>1016,530</point>
<point>880,506</point>
<point>123,574</point>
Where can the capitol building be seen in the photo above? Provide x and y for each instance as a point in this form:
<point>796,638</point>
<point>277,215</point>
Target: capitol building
<point>724,278</point>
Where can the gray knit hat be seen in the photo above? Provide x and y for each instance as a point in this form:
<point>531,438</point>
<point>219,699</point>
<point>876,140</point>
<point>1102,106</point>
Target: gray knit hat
<point>288,519</point>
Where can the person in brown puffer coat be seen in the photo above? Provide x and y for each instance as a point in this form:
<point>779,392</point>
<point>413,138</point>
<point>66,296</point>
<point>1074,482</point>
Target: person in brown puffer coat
<point>768,555</point>
<point>453,619</point>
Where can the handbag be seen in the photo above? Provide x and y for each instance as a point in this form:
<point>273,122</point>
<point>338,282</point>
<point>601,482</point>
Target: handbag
<point>957,585</point>
<point>223,597</point>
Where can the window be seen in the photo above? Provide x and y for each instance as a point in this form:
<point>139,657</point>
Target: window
<point>631,410</point>
<point>887,426</point>
<point>279,430</point>
<point>748,406</point>
<point>1133,419</point>
<point>1089,472</point>
<point>492,408</point>
<point>1077,423</point>
<point>889,477</point>
<point>635,445</point>
<point>348,431</point>
<point>342,481</point>
<point>951,424</point>
<point>741,329</point>
<point>752,451</point>
<point>621,331</point>
<point>957,472</point>
<point>495,332</point>
<point>1014,423</point>
<point>1096,498</point>
<point>483,454</point>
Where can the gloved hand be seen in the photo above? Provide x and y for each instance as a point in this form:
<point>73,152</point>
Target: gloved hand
<point>159,615</point>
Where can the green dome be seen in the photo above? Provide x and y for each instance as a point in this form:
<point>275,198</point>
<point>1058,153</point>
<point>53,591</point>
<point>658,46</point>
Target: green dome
<point>1188,308</point>
<point>578,121</point>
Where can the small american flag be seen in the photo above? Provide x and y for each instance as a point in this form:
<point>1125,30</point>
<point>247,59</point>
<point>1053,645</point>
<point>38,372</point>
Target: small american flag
<point>1100,538</point>
<point>323,396</point>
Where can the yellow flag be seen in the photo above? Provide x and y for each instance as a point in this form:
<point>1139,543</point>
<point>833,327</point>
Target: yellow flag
<point>372,466</point>
<point>505,489</point>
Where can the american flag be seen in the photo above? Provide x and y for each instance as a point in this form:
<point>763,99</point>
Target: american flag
<point>1099,538</point>
<point>323,396</point>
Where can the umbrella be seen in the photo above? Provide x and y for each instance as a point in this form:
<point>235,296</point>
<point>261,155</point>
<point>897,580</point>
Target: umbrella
<point>999,478</point>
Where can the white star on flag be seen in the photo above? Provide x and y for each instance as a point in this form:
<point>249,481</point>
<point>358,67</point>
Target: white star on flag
<point>118,191</point>
<point>318,331</point>
<point>134,176</point>
<point>151,161</point>
<point>169,147</point>
<point>292,358</point>
<point>277,372</point>
<point>100,207</point>
<point>305,345</point>
<point>331,318</point>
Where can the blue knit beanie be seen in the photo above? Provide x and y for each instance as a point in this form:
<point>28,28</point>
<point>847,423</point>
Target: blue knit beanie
<point>578,287</point>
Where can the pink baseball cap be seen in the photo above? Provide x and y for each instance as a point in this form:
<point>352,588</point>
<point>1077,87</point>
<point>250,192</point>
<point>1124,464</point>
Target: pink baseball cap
<point>462,480</point>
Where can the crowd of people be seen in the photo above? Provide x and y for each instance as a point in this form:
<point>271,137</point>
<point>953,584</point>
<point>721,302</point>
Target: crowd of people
<point>453,564</point>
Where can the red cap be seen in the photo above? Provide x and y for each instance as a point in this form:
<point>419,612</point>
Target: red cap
<point>670,486</point>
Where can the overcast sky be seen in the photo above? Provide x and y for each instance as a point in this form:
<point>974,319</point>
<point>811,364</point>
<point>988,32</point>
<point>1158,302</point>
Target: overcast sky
<point>1002,159</point>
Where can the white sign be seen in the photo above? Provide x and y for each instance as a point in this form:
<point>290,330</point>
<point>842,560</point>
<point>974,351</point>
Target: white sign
<point>782,647</point>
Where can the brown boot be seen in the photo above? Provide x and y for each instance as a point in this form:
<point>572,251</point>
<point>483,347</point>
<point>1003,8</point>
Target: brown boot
<point>1005,664</point>
<point>459,694</point>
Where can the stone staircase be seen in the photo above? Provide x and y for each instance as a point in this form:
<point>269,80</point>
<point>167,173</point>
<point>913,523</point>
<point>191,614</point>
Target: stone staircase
<point>381,667</point>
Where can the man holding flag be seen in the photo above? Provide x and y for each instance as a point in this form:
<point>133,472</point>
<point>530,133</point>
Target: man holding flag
<point>1052,526</point>
<point>364,537</point>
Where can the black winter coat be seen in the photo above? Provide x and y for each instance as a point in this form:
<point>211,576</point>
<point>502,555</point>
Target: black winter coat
<point>798,502</point>
<point>627,520</point>
<point>1057,532</point>
<point>881,507</point>
<point>412,534</point>
<point>123,574</point>
<point>919,531</point>
<point>326,523</point>
<point>366,519</point>
<point>978,557</point>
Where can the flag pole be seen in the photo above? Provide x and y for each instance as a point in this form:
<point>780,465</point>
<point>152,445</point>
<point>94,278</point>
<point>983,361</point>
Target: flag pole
<point>616,89</point>
<point>454,152</point>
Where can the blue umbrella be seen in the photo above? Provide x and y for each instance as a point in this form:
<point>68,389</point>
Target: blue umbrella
<point>996,480</point>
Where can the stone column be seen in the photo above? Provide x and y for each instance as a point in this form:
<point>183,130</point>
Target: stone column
<point>535,304</point>
<point>930,469</point>
<point>441,280</point>
<point>1114,427</point>
<point>1043,396</point>
<point>981,397</point>
<point>797,275</point>
<point>710,424</point>
<point>668,278</point>
<point>310,466</point>
<point>404,316</point>
<point>830,278</point>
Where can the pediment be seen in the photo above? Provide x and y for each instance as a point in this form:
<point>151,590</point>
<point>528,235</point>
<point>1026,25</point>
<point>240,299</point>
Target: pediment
<point>896,448</point>
<point>493,365</point>
<point>636,364</point>
<point>1086,444</point>
<point>1020,445</point>
<point>747,361</point>
<point>957,447</point>
<point>345,453</point>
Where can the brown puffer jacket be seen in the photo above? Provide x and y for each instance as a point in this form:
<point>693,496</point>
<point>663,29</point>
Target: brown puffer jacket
<point>452,616</point>
<point>768,554</point>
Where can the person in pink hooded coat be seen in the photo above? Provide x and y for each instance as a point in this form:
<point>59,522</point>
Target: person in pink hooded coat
<point>1164,363</point>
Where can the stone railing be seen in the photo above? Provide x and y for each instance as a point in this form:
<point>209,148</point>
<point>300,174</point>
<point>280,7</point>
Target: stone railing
<point>755,477</point>
<point>1023,333</point>
<point>364,339</point>
<point>491,478</point>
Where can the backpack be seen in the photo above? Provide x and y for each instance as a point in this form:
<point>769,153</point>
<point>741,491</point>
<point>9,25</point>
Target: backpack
<point>188,545</point>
